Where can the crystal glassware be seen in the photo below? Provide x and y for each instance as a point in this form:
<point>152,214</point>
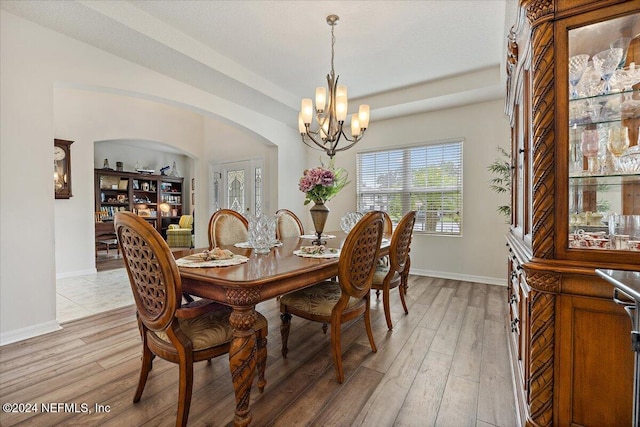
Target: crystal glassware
<point>618,143</point>
<point>605,63</point>
<point>589,147</point>
<point>622,43</point>
<point>625,79</point>
<point>261,233</point>
<point>577,65</point>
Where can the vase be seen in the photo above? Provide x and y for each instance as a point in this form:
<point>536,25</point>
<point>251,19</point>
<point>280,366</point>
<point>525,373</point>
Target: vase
<point>319,214</point>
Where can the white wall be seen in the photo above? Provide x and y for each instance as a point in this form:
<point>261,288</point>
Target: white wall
<point>479,254</point>
<point>144,153</point>
<point>33,227</point>
<point>86,117</point>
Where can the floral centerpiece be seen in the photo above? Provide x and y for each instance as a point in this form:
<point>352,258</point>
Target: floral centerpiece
<point>322,184</point>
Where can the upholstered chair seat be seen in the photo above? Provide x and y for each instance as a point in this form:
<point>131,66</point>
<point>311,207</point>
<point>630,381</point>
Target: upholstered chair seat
<point>206,331</point>
<point>381,273</point>
<point>317,300</point>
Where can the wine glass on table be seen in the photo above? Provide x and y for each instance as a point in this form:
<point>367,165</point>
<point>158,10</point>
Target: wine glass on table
<point>618,143</point>
<point>589,146</point>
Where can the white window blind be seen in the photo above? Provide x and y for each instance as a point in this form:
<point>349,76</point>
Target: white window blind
<point>425,178</point>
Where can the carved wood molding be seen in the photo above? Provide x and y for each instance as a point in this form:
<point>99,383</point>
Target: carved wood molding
<point>512,63</point>
<point>242,319</point>
<point>244,296</point>
<point>543,112</point>
<point>538,10</point>
<point>544,281</point>
<point>541,353</point>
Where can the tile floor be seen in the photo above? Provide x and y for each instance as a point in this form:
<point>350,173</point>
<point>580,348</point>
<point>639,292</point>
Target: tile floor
<point>83,296</point>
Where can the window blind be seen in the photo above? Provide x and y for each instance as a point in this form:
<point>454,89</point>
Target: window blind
<point>425,178</point>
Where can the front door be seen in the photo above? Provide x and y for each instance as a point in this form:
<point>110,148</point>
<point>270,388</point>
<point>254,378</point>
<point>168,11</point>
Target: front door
<point>241,188</point>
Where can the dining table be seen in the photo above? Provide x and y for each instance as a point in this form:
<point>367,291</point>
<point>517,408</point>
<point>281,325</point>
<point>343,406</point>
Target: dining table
<point>259,278</point>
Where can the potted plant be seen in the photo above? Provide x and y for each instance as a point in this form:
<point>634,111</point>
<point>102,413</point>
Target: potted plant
<point>501,181</point>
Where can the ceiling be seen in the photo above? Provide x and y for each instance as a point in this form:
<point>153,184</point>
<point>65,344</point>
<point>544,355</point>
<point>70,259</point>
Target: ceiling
<point>401,57</point>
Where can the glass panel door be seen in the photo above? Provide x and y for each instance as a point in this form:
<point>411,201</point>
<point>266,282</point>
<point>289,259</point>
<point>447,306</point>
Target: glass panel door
<point>603,118</point>
<point>241,187</point>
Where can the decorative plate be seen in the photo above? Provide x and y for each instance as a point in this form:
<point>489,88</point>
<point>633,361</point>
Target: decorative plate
<point>317,252</point>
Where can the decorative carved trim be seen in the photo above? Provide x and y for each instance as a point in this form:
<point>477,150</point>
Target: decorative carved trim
<point>241,352</point>
<point>244,296</point>
<point>542,333</point>
<point>543,112</point>
<point>544,281</point>
<point>538,10</point>
<point>243,321</point>
<point>512,63</point>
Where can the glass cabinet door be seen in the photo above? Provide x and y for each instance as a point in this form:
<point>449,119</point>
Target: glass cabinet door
<point>603,159</point>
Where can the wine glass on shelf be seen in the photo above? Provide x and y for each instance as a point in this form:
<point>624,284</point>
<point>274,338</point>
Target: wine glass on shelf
<point>625,79</point>
<point>577,65</point>
<point>589,147</point>
<point>605,63</point>
<point>622,43</point>
<point>618,143</point>
<point>590,87</point>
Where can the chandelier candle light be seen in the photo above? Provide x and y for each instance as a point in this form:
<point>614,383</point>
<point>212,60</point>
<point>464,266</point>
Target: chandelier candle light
<point>331,113</point>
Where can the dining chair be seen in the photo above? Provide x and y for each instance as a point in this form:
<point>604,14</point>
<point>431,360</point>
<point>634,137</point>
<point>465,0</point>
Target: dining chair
<point>179,333</point>
<point>388,224</point>
<point>337,302</point>
<point>227,227</point>
<point>289,225</point>
<point>396,273</point>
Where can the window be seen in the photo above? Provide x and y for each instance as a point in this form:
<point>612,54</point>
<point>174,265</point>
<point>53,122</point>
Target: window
<point>424,178</point>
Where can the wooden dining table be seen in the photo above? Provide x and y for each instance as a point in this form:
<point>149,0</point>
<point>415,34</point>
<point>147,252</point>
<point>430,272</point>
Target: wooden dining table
<point>262,277</point>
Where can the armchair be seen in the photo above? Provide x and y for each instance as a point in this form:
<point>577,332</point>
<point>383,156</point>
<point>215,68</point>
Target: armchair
<point>179,235</point>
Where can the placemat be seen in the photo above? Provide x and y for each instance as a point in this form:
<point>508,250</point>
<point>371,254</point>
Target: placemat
<point>315,236</point>
<point>247,245</point>
<point>196,260</point>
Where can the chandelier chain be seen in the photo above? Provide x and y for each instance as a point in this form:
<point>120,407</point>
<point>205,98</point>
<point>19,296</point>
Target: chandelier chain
<point>333,42</point>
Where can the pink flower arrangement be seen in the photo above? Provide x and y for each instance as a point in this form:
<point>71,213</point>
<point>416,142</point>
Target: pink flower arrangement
<point>322,184</point>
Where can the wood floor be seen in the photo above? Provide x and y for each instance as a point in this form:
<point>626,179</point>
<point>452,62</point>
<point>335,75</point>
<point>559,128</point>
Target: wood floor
<point>444,364</point>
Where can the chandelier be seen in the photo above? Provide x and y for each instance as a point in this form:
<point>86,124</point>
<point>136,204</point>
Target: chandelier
<point>331,113</point>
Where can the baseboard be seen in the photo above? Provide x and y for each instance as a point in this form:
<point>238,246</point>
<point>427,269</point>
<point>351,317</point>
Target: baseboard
<point>76,273</point>
<point>462,277</point>
<point>30,332</point>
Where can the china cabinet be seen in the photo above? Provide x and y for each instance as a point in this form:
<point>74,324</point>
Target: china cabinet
<point>156,198</point>
<point>574,108</point>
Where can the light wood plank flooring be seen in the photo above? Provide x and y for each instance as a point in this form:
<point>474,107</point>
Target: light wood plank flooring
<point>444,364</point>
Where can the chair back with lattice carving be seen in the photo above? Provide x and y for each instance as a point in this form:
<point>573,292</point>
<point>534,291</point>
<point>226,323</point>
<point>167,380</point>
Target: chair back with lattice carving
<point>153,273</point>
<point>359,255</point>
<point>227,227</point>
<point>401,242</point>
